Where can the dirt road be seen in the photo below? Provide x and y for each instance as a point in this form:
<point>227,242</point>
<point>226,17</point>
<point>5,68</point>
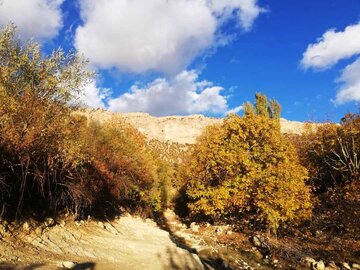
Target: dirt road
<point>126,243</point>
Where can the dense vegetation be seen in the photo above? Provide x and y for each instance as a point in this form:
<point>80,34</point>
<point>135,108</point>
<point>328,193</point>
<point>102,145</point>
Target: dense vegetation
<point>52,159</point>
<point>331,153</point>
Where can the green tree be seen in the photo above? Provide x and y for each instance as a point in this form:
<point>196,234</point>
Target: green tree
<point>275,109</point>
<point>261,105</point>
<point>264,108</point>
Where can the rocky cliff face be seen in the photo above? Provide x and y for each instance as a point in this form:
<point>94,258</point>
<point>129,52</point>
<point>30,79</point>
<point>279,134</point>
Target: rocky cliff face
<point>179,129</point>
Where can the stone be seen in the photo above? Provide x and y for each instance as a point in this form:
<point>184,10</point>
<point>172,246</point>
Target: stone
<point>308,261</point>
<point>345,265</point>
<point>320,265</point>
<point>261,244</point>
<point>318,233</point>
<point>62,223</point>
<point>68,265</point>
<point>39,230</point>
<point>26,226</point>
<point>355,266</point>
<point>3,229</point>
<point>218,230</point>
<point>257,241</point>
<point>49,222</point>
<point>229,232</point>
<point>101,225</point>
<point>194,227</point>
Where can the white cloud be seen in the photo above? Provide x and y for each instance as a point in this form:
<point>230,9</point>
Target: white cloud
<point>39,19</point>
<point>158,35</point>
<point>94,97</point>
<point>245,10</point>
<point>332,47</point>
<point>183,94</point>
<point>350,79</point>
<point>234,110</point>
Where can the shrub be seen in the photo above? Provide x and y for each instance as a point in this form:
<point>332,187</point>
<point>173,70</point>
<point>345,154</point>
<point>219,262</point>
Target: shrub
<point>331,152</point>
<point>52,158</point>
<point>117,169</point>
<point>36,125</point>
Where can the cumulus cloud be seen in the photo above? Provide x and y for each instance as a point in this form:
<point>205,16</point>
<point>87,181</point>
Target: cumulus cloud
<point>332,47</point>
<point>39,19</point>
<point>93,96</point>
<point>184,94</point>
<point>350,88</point>
<point>158,35</point>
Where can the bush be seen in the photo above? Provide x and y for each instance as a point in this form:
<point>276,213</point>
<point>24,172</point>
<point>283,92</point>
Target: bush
<point>331,152</point>
<point>121,165</point>
<point>245,167</point>
<point>51,157</point>
<point>36,125</point>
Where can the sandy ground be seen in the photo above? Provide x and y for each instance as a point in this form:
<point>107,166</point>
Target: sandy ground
<point>126,243</point>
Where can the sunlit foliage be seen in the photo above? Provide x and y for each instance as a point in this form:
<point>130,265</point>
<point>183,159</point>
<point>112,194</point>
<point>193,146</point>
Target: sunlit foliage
<point>35,114</point>
<point>245,167</point>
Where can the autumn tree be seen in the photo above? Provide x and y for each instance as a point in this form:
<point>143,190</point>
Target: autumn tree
<point>261,105</point>
<point>331,152</point>
<point>245,168</point>
<point>274,109</point>
<point>264,107</point>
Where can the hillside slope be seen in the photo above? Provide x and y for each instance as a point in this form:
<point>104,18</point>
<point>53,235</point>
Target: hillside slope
<point>178,129</point>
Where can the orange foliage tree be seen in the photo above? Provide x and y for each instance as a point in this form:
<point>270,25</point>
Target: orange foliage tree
<point>35,116</point>
<point>51,157</point>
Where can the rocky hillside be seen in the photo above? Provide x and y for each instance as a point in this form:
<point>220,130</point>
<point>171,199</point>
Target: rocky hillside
<point>177,129</point>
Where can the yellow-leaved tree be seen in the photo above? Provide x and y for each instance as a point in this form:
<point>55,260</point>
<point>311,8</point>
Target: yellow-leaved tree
<point>245,168</point>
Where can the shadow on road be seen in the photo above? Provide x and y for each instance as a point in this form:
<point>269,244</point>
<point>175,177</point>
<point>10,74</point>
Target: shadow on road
<point>208,263</point>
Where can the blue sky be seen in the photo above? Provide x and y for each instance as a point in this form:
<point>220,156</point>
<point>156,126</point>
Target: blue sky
<point>183,57</point>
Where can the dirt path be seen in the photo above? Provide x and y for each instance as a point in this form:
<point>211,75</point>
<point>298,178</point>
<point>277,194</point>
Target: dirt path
<point>126,243</point>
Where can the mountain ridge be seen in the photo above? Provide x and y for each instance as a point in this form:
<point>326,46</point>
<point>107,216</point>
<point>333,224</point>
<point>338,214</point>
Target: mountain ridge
<point>177,129</point>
